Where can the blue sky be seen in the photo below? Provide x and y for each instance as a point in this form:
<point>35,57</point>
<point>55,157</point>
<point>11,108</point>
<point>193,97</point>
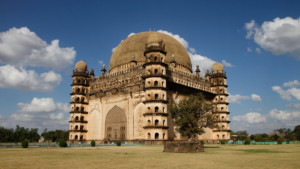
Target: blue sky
<point>40,42</point>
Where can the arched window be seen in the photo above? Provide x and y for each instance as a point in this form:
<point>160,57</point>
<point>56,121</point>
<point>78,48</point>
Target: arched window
<point>222,118</point>
<point>76,137</point>
<point>149,122</point>
<point>149,71</point>
<point>156,136</point>
<point>78,81</point>
<point>218,136</point>
<point>155,59</point>
<point>222,108</point>
<point>156,122</point>
<point>156,109</point>
<point>162,71</point>
<point>163,96</point>
<point>164,136</point>
<point>77,108</point>
<point>78,90</point>
<point>155,71</point>
<point>81,127</point>
<point>163,109</point>
<point>81,137</point>
<point>149,136</point>
<point>71,127</point>
<point>223,127</point>
<point>82,118</point>
<point>164,122</point>
<point>76,118</point>
<point>162,59</point>
<point>76,127</point>
<point>77,99</point>
<point>223,136</point>
<point>162,84</point>
<point>155,83</point>
<point>156,96</point>
<point>82,108</point>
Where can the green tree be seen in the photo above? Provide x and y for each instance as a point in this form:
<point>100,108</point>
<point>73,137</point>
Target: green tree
<point>241,135</point>
<point>191,115</point>
<point>297,131</point>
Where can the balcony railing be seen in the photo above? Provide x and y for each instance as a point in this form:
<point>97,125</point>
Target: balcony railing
<point>78,130</point>
<point>82,112</point>
<point>78,121</point>
<point>156,114</point>
<point>155,127</point>
<point>78,102</point>
<point>156,101</point>
<point>79,93</point>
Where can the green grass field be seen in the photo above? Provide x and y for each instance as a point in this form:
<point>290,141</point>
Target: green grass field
<point>221,156</point>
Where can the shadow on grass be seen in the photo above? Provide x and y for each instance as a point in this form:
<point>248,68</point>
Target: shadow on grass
<point>211,147</point>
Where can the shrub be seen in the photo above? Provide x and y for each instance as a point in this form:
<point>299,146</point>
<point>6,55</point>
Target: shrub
<point>93,143</point>
<point>279,141</point>
<point>118,143</point>
<point>62,143</point>
<point>222,141</point>
<point>247,141</point>
<point>24,143</point>
<point>201,142</point>
<point>288,141</point>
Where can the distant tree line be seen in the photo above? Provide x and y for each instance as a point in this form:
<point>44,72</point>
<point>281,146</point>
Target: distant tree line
<point>20,133</point>
<point>282,133</point>
<point>55,136</point>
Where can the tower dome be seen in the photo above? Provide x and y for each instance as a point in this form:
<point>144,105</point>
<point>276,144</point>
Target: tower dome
<point>135,46</point>
<point>217,67</point>
<point>81,65</point>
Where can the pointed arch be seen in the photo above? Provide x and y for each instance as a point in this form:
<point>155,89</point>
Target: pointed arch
<point>116,124</point>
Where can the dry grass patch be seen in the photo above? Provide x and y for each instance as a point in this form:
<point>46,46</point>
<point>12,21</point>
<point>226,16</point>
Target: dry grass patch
<point>223,156</point>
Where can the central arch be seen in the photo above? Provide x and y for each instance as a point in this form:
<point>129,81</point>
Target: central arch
<point>116,124</point>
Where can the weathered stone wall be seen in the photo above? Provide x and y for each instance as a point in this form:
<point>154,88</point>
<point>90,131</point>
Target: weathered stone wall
<point>183,147</point>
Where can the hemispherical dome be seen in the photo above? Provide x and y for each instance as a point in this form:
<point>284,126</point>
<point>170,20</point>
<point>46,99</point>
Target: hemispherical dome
<point>135,46</point>
<point>217,67</point>
<point>81,65</point>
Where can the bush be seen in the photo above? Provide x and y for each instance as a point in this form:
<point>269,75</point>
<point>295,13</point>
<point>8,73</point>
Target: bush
<point>279,141</point>
<point>288,141</point>
<point>118,143</point>
<point>222,141</point>
<point>24,143</point>
<point>247,141</point>
<point>93,143</point>
<point>201,142</point>
<point>62,143</point>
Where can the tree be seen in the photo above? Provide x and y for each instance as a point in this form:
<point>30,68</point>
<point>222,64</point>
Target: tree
<point>297,131</point>
<point>191,115</point>
<point>241,135</point>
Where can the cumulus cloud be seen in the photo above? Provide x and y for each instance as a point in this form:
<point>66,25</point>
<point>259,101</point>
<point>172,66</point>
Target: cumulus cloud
<point>237,98</point>
<point>255,98</point>
<point>226,63</point>
<point>290,118</point>
<point>294,83</point>
<point>287,94</point>
<point>293,106</point>
<point>204,62</point>
<point>130,35</point>
<point>258,50</point>
<point>22,47</point>
<point>39,113</point>
<point>192,50</point>
<point>249,49</point>
<point>250,118</point>
<point>280,36</point>
<point>21,79</point>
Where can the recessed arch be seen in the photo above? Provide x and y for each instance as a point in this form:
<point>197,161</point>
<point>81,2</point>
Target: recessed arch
<point>117,120</point>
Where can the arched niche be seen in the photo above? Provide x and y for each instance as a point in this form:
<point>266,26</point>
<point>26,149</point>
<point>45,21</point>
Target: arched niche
<point>139,121</point>
<point>95,125</point>
<point>116,124</point>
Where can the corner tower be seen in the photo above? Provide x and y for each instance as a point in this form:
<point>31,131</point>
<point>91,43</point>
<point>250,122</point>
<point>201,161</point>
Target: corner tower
<point>155,89</point>
<point>219,86</point>
<point>79,103</point>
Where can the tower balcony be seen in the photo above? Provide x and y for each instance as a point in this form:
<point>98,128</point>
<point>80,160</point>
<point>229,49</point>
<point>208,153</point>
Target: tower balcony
<point>222,130</point>
<point>155,127</point>
<point>156,114</point>
<point>78,93</point>
<point>79,84</point>
<point>78,121</point>
<point>156,101</point>
<point>81,112</point>
<point>218,102</point>
<point>214,75</point>
<point>155,63</point>
<point>78,102</point>
<point>153,75</point>
<point>85,74</point>
<point>218,84</point>
<point>78,130</point>
<point>156,87</point>
<point>220,112</point>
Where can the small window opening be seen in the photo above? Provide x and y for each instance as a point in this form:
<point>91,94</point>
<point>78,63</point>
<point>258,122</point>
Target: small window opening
<point>156,122</point>
<point>156,136</point>
<point>156,109</point>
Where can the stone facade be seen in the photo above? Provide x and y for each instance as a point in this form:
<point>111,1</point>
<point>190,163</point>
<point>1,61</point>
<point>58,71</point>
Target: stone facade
<point>130,102</point>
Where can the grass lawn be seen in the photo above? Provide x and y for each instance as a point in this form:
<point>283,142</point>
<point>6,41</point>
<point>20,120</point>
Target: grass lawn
<point>223,156</point>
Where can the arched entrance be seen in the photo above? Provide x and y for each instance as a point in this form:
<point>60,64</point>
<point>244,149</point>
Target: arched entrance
<point>116,124</point>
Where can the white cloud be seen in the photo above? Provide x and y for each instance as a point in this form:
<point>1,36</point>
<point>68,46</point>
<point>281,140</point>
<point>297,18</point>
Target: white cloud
<point>279,36</point>
<point>21,79</point>
<point>258,50</point>
<point>293,106</point>
<point>40,113</point>
<point>192,50</point>
<point>21,47</point>
<point>226,63</point>
<point>237,98</point>
<point>130,35</point>
<point>255,98</point>
<point>249,49</point>
<point>177,37</point>
<point>290,118</point>
<point>250,118</point>
<point>204,63</point>
<point>100,62</point>
<point>286,94</point>
<point>294,83</point>
<point>113,49</point>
